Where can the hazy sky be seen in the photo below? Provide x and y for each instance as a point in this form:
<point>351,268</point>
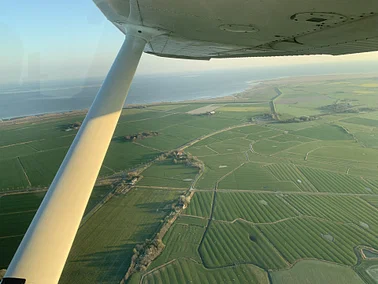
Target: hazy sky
<point>46,39</point>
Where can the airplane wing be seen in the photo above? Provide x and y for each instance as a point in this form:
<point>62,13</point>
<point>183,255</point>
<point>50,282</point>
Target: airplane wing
<point>200,29</point>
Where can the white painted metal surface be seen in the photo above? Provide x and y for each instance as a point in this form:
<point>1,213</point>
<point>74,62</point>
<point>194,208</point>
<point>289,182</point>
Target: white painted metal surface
<point>43,251</point>
<point>203,29</point>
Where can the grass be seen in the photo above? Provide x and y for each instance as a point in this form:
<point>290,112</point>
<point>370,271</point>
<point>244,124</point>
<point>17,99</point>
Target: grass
<point>216,167</point>
<point>250,108</point>
<point>16,213</point>
<point>211,122</point>
<point>162,142</point>
<point>201,150</point>
<point>326,181</point>
<point>269,147</point>
<point>181,240</point>
<point>253,176</point>
<point>372,200</point>
<point>200,204</point>
<point>168,174</point>
<point>11,175</point>
<point>316,272</point>
<point>289,172</point>
<point>16,151</point>
<point>127,155</point>
<point>220,137</point>
<point>238,144</point>
<point>104,244</point>
<point>362,121</point>
<point>264,134</point>
<point>8,247</point>
<point>256,208</point>
<point>20,202</point>
<point>188,271</point>
<point>292,193</point>
<point>368,271</point>
<point>341,209</point>
<point>345,154</point>
<point>52,143</point>
<point>302,238</point>
<point>186,132</point>
<point>290,138</point>
<point>41,167</point>
<point>252,129</point>
<point>325,132</point>
<point>228,244</point>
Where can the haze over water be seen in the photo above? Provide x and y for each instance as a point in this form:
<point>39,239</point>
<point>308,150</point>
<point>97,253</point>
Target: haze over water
<point>48,97</point>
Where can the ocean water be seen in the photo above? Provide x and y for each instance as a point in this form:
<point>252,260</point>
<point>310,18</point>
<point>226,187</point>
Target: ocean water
<point>58,96</point>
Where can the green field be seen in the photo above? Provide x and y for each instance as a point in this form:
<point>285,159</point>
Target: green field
<point>317,239</point>
<point>168,174</point>
<point>200,204</point>
<point>324,132</point>
<point>228,244</point>
<point>256,208</point>
<point>254,176</point>
<point>289,172</point>
<point>188,271</point>
<point>326,181</point>
<point>337,209</point>
<point>316,272</point>
<point>17,211</point>
<point>283,197</point>
<point>103,247</point>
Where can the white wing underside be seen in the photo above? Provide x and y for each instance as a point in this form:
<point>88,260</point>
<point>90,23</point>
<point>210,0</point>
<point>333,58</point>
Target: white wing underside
<point>201,29</point>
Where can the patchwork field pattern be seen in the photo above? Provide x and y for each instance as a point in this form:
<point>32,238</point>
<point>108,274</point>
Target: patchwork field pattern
<point>228,244</point>
<point>256,208</point>
<point>186,270</point>
<point>292,195</point>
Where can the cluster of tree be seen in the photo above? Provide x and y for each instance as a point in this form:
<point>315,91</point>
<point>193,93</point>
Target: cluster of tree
<point>182,203</point>
<point>136,107</point>
<point>265,116</point>
<point>338,107</point>
<point>300,119</point>
<point>76,125</point>
<point>144,254</point>
<point>140,135</point>
<point>179,157</point>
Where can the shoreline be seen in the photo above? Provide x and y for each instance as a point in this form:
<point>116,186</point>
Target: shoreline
<point>224,99</point>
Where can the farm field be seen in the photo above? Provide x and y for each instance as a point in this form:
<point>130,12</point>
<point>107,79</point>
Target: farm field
<point>317,272</point>
<point>184,270</point>
<point>17,211</point>
<point>94,249</point>
<point>279,185</point>
<point>256,208</point>
<point>168,174</point>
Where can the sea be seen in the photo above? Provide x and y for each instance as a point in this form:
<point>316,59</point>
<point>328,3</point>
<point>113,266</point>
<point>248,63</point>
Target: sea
<point>17,100</point>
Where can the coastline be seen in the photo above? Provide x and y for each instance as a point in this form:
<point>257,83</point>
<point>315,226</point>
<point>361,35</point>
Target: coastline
<point>231,98</point>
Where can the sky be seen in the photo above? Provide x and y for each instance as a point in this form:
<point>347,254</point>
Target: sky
<point>53,40</point>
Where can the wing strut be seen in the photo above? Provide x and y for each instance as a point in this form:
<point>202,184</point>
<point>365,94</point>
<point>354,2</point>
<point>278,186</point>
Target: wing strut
<point>41,256</point>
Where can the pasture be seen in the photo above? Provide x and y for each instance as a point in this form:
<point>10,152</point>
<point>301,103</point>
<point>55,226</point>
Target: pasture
<point>227,244</point>
<point>200,204</point>
<point>168,174</point>
<point>294,200</point>
<point>303,238</point>
<point>188,271</point>
<point>254,176</point>
<point>17,211</point>
<point>316,272</point>
<point>256,208</point>
<point>104,245</point>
